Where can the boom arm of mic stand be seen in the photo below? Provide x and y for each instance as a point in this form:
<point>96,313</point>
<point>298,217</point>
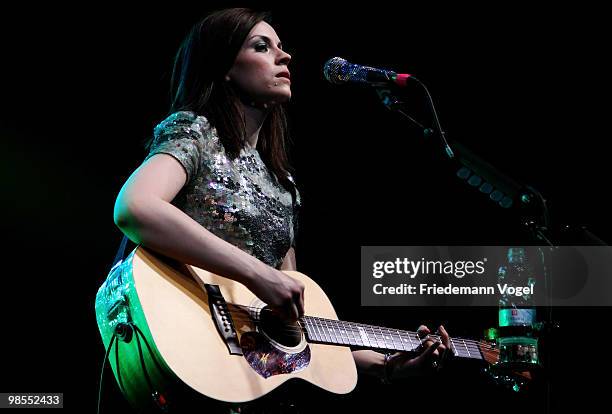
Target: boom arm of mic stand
<point>508,193</point>
<point>478,173</point>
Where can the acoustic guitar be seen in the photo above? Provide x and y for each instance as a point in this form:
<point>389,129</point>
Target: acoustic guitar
<point>167,333</point>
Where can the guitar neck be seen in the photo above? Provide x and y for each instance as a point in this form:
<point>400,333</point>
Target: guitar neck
<point>334,332</point>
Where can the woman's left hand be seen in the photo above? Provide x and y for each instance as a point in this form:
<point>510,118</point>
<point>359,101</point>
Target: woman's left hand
<point>432,357</point>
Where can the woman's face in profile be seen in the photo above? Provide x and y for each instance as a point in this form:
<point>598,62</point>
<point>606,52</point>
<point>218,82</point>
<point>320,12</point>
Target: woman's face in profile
<point>260,70</point>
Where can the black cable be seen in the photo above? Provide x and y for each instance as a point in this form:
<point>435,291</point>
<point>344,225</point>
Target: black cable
<point>153,358</point>
<point>432,107</point>
<point>144,366</point>
<point>110,345</point>
<point>115,341</point>
<point>119,380</point>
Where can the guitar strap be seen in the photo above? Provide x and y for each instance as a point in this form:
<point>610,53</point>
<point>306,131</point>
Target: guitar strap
<point>120,252</point>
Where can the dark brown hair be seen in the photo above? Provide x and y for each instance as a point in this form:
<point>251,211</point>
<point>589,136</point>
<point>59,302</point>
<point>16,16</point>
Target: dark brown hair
<point>205,56</point>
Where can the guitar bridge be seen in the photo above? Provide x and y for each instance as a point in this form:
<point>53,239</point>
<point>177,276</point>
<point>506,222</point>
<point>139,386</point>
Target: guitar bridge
<point>222,318</point>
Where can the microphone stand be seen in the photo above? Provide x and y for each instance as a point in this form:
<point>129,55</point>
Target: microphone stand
<point>507,193</point>
<point>529,203</point>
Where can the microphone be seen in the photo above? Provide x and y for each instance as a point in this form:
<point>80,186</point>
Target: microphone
<point>338,71</point>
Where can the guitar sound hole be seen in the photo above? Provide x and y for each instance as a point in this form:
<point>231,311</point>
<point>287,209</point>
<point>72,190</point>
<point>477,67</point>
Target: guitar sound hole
<point>285,333</point>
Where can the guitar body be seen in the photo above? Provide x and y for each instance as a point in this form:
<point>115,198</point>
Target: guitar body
<point>176,348</point>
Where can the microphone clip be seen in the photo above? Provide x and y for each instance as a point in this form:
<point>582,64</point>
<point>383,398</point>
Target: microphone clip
<point>393,103</point>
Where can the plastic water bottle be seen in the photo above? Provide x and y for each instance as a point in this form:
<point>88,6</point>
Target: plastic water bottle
<point>517,314</point>
<point>516,310</point>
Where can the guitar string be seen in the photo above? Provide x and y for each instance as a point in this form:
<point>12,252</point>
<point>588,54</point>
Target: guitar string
<point>325,323</point>
<point>458,343</point>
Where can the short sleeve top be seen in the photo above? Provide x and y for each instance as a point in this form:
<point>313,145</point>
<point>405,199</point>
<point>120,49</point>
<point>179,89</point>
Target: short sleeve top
<point>239,200</point>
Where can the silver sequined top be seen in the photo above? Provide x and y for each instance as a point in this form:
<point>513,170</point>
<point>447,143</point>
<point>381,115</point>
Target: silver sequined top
<point>238,200</point>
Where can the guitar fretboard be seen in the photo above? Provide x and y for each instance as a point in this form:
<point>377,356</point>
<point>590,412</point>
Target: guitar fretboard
<point>329,331</point>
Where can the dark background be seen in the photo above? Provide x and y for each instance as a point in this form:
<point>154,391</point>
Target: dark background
<point>525,87</point>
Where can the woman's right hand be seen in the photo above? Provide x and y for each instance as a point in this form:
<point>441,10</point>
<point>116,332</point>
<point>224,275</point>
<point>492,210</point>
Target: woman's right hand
<point>281,292</point>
